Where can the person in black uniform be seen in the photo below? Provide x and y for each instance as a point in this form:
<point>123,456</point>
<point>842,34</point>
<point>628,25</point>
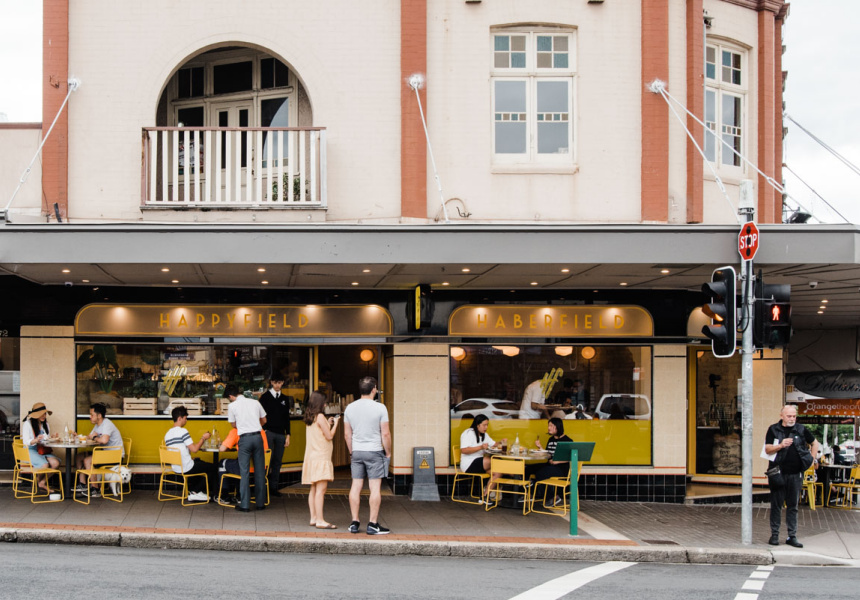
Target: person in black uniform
<point>277,428</point>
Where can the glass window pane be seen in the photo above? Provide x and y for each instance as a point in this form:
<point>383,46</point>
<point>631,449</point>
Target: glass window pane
<point>500,60</point>
<point>518,60</point>
<point>510,138</point>
<point>560,61</point>
<point>552,96</point>
<point>502,43</point>
<point>544,61</point>
<point>234,77</point>
<point>510,96</point>
<point>274,112</point>
<point>544,43</point>
<point>560,43</point>
<point>518,43</point>
<point>731,111</point>
<point>553,138</point>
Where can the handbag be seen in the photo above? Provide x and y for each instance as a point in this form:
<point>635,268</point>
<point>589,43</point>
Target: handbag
<point>44,450</point>
<point>774,477</point>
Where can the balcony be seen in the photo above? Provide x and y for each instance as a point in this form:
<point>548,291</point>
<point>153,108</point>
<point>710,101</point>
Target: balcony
<point>241,167</point>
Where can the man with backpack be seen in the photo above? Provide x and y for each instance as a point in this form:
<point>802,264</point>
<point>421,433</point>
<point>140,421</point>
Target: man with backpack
<point>790,441</point>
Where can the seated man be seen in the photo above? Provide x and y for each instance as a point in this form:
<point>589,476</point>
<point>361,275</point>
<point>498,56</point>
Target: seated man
<point>104,433</point>
<point>228,495</point>
<point>179,438</point>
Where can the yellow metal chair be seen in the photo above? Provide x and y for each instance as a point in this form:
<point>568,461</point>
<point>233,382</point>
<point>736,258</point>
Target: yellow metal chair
<point>106,460</point>
<point>239,478</point>
<point>460,475</point>
<point>811,486</point>
<point>559,487</point>
<point>127,444</point>
<point>171,457</point>
<point>24,473</point>
<point>16,442</point>
<point>846,490</point>
<point>512,473</point>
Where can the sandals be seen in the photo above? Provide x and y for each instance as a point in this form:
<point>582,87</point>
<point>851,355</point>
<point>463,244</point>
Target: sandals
<point>326,526</point>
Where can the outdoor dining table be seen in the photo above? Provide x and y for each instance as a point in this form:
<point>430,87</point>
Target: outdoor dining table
<point>71,451</point>
<point>829,474</point>
<point>507,500</point>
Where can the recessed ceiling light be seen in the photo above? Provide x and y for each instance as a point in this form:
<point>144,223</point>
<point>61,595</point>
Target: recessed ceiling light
<point>623,283</point>
<point>354,283</point>
<point>595,291</point>
<point>85,280</point>
<point>445,283</point>
<point>664,271</point>
<point>365,270</point>
<point>565,270</point>
<point>820,312</point>
<point>534,283</point>
<point>824,301</point>
<point>822,307</point>
<point>264,282</point>
<point>66,271</point>
<point>174,281</point>
<point>165,270</point>
<point>261,270</point>
<point>466,270</point>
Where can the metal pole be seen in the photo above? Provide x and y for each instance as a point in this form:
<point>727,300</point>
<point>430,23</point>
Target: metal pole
<point>746,207</point>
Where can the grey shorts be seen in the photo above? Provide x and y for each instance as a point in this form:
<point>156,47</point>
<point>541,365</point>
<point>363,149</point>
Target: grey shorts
<point>370,465</point>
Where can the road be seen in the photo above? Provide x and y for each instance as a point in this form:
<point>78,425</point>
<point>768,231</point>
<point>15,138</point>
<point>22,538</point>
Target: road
<point>69,572</point>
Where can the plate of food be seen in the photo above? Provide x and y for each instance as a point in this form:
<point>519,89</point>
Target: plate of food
<point>538,453</point>
<point>493,450</point>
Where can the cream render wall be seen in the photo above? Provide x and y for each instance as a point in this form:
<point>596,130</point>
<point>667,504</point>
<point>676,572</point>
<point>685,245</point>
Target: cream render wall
<point>669,409</point>
<point>768,400</point>
<point>607,98</point>
<point>17,149</point>
<point>347,55</point>
<point>421,417</point>
<point>48,373</point>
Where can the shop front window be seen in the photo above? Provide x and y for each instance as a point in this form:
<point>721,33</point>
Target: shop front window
<point>718,415</point>
<point>602,393</point>
<point>149,379</point>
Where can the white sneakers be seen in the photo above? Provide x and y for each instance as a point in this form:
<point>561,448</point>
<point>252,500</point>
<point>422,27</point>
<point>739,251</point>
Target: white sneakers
<point>198,497</point>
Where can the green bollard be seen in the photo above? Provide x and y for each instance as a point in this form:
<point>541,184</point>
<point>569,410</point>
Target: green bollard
<point>572,490</point>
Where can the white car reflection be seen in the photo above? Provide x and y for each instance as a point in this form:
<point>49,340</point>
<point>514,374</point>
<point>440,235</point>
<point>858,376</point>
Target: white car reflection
<point>492,408</point>
<point>626,406</point>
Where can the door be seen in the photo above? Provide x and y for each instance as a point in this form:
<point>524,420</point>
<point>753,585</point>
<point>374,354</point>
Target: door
<point>233,153</point>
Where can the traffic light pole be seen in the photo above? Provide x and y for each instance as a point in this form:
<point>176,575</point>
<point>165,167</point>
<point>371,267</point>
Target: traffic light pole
<point>748,303</point>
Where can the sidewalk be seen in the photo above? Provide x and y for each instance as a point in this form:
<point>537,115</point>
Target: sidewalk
<point>643,532</point>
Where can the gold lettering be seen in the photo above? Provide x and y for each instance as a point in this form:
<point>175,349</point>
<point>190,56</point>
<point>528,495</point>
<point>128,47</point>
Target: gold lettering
<point>576,321</point>
<point>272,321</point>
<point>619,321</point>
<point>201,318</point>
<point>500,322</point>
<point>215,319</point>
<point>164,320</point>
<point>482,320</point>
<point>303,320</point>
<point>230,317</point>
<point>286,325</point>
<point>532,321</point>
<point>563,320</point>
<point>247,319</point>
<point>260,320</point>
<point>182,321</point>
<point>600,321</point>
<point>587,321</point>
<point>547,321</point>
<point>518,321</point>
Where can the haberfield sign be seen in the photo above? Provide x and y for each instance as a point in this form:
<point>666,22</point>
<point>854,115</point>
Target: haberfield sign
<point>159,320</point>
<point>523,320</point>
<point>748,241</point>
<point>829,407</point>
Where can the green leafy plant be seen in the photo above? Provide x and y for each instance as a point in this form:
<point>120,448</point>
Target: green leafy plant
<point>101,358</point>
<point>297,188</point>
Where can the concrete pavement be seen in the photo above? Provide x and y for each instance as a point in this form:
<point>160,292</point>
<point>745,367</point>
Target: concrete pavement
<point>639,532</point>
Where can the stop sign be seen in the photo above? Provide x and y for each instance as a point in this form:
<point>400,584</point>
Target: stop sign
<point>748,240</point>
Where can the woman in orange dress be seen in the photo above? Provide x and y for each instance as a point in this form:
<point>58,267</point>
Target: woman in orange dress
<point>317,469</point>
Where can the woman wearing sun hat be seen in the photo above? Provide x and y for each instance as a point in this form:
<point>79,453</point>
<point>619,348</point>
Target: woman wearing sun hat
<point>34,431</point>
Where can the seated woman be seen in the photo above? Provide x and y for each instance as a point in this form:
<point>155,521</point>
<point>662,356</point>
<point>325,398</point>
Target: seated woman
<point>551,468</point>
<point>473,442</point>
<point>34,432</point>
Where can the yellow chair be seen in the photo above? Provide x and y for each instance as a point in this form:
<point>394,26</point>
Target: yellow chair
<point>25,473</point>
<point>460,475</point>
<point>127,445</point>
<point>512,473</point>
<point>171,457</point>
<point>846,490</point>
<point>16,441</point>
<point>106,460</point>
<point>811,487</point>
<point>554,483</point>
<point>239,478</point>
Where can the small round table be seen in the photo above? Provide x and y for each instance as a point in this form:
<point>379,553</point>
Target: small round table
<point>71,452</point>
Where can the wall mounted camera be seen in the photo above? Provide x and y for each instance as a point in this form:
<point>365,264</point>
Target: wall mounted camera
<point>813,284</point>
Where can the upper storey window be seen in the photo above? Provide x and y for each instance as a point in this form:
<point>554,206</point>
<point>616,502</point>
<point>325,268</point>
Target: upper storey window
<point>533,76</point>
<point>725,104</point>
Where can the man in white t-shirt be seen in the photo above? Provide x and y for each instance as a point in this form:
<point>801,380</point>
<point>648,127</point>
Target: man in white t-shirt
<point>248,417</point>
<point>179,438</point>
<point>368,438</point>
<point>533,406</point>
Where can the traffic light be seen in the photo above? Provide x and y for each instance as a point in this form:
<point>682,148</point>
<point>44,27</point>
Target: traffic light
<point>420,307</point>
<point>722,310</point>
<point>772,315</point>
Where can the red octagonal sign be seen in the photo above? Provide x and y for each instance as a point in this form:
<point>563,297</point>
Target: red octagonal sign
<point>748,241</point>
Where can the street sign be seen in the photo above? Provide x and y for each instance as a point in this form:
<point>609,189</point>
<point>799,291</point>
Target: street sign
<point>748,241</point>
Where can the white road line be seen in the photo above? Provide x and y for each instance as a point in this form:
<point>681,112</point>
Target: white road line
<point>742,596</point>
<point>767,568</point>
<point>572,581</point>
<point>752,584</point>
<point>759,575</point>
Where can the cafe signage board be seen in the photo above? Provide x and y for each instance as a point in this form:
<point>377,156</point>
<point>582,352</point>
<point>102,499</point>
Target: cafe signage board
<point>161,320</point>
<point>829,407</point>
<point>522,320</point>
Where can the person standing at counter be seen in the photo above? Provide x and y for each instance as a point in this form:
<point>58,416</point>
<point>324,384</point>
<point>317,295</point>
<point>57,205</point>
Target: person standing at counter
<point>317,468</point>
<point>277,429</point>
<point>473,442</point>
<point>34,431</point>
<point>248,417</point>
<point>533,405</point>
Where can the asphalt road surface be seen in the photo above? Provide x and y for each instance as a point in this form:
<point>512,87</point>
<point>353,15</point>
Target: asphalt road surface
<point>45,572</point>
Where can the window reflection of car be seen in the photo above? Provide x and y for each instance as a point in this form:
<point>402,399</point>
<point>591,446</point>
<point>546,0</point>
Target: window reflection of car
<point>632,406</point>
<point>492,408</point>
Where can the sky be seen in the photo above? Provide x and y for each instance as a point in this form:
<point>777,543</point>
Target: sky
<point>821,94</point>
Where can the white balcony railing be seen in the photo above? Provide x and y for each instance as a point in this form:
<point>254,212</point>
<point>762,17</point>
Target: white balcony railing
<point>234,167</point>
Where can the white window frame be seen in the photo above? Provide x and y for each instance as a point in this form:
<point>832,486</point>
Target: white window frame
<point>727,89</point>
<point>532,75</point>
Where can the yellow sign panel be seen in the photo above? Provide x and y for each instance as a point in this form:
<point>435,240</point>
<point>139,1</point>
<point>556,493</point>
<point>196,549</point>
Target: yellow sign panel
<point>424,464</point>
<point>550,321</point>
<point>226,320</point>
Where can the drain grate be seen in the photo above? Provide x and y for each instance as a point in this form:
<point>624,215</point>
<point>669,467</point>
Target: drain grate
<point>661,542</point>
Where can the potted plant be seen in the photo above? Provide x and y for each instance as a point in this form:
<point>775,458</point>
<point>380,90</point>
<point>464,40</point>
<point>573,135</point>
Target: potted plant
<point>101,359</point>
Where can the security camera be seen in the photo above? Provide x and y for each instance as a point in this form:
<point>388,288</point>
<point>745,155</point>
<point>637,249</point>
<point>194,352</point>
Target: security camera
<point>68,284</point>
<point>813,284</point>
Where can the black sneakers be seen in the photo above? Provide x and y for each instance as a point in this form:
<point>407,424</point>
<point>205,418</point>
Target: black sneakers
<point>375,529</point>
<point>792,541</point>
<point>774,540</point>
<point>354,526</point>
